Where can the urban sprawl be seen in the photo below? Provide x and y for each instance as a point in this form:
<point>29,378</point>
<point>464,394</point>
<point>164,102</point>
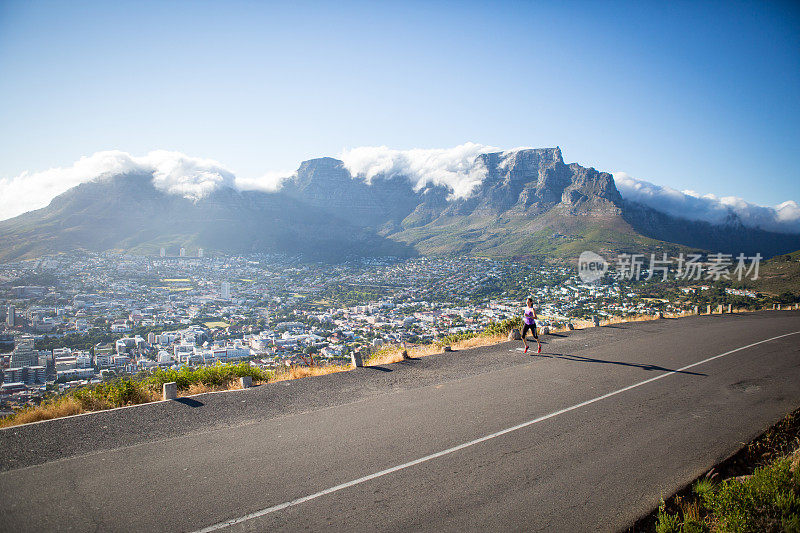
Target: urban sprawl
<point>76,319</point>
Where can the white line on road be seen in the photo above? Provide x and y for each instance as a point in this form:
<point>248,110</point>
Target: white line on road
<point>448,451</point>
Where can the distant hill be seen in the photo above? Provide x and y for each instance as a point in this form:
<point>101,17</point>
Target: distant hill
<point>529,204</point>
<point>777,275</point>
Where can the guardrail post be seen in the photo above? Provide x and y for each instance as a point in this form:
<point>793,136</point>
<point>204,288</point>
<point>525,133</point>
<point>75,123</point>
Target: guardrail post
<point>246,382</point>
<point>730,308</point>
<point>595,321</point>
<point>355,358</point>
<point>170,390</point>
<point>708,310</point>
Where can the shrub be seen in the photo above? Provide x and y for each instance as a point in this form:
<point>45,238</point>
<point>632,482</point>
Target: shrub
<point>216,375</point>
<point>667,522</point>
<point>767,501</point>
<point>454,338</point>
<point>502,328</point>
<point>112,394</point>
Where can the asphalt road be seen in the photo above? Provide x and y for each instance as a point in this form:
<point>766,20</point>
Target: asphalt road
<point>587,436</point>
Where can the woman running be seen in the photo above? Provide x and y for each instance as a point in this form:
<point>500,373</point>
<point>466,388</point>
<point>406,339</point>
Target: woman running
<point>529,322</point>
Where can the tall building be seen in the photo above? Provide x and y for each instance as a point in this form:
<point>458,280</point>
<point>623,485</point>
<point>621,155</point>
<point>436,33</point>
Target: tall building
<point>163,252</point>
<point>24,353</point>
<point>199,252</point>
<point>10,317</point>
<point>183,252</point>
<point>225,290</point>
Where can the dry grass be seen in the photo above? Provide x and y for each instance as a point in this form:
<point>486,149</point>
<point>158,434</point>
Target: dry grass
<point>481,340</point>
<point>61,407</point>
<point>297,372</point>
<point>201,388</point>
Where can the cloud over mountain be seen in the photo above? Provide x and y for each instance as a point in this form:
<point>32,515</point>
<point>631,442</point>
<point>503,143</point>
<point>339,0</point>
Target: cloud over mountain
<point>784,217</point>
<point>172,172</point>
<point>455,168</point>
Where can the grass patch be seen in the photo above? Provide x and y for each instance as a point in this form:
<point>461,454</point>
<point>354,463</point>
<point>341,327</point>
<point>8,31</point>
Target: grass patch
<point>767,500</point>
<point>219,375</point>
<point>142,389</point>
<point>759,491</point>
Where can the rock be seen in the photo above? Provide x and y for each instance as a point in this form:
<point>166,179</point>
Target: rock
<point>514,335</point>
<point>448,349</point>
<point>570,326</point>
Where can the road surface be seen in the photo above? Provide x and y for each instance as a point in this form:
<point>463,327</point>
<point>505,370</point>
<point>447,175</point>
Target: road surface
<point>587,436</point>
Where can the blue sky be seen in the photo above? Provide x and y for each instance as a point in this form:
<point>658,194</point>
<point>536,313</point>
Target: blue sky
<point>691,96</point>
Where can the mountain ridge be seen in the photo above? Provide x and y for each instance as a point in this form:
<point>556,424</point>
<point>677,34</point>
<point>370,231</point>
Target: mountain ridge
<point>528,203</point>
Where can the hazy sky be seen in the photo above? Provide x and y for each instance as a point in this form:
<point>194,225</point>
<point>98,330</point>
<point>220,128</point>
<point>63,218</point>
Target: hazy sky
<point>693,96</point>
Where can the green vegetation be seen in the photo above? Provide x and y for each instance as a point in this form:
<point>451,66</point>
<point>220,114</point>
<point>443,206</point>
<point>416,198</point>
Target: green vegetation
<point>769,500</point>
<point>141,389</point>
<point>495,328</point>
<point>212,376</point>
<point>348,295</point>
<point>112,394</point>
<point>78,341</point>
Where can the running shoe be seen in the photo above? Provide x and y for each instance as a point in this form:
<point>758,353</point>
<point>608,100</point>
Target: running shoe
<point>526,349</point>
<point>540,349</point>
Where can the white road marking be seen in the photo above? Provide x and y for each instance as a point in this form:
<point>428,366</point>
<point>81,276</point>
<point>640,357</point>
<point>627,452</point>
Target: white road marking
<point>298,501</point>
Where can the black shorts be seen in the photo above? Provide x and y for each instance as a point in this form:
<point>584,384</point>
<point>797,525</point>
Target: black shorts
<point>532,327</point>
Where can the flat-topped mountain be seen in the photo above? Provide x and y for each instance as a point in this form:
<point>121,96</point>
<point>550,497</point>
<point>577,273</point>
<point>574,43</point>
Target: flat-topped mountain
<point>520,203</point>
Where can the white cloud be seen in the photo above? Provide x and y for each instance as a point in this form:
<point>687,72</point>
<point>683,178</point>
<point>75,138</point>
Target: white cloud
<point>172,172</point>
<point>454,168</point>
<point>190,177</point>
<point>269,182</point>
<point>784,217</point>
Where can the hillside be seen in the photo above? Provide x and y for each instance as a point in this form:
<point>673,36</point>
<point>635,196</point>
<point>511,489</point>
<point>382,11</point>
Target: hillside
<point>777,275</point>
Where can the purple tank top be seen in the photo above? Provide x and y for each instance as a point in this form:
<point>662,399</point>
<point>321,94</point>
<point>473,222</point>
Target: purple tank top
<point>528,316</point>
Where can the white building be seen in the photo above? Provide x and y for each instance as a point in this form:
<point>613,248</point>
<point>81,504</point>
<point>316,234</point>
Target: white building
<point>225,290</point>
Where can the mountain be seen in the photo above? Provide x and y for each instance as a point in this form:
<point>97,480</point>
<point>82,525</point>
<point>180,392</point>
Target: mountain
<point>530,203</point>
<point>127,212</point>
<point>527,203</point>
